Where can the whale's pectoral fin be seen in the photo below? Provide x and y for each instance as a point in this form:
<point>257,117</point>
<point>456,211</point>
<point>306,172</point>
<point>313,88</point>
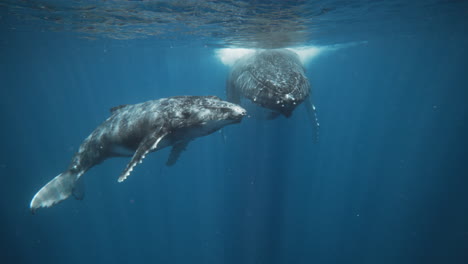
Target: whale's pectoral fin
<point>149,143</point>
<point>312,113</point>
<point>175,152</point>
<point>58,189</point>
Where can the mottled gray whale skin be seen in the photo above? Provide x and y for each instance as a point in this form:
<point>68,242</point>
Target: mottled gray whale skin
<point>274,79</point>
<point>140,129</point>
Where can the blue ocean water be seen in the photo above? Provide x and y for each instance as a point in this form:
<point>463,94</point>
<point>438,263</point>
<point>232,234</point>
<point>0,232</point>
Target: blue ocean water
<point>385,183</point>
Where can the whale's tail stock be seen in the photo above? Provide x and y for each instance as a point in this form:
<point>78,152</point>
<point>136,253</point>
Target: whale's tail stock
<point>57,190</point>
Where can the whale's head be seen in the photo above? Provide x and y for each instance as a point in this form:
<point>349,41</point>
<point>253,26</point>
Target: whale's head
<point>213,109</point>
<point>206,114</point>
<point>274,79</point>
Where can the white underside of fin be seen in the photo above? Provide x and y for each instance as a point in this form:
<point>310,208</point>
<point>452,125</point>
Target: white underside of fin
<point>134,163</point>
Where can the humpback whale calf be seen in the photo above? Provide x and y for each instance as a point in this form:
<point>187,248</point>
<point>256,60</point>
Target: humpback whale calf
<point>141,128</point>
<point>273,79</point>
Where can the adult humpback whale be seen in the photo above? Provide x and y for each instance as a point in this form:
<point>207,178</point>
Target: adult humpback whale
<point>273,79</point>
<point>141,128</point>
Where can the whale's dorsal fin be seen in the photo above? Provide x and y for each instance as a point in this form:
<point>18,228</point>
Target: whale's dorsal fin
<point>116,108</point>
<point>175,152</point>
<point>149,143</point>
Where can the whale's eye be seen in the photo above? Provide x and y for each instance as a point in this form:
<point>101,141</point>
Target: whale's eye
<point>186,114</point>
<point>224,110</point>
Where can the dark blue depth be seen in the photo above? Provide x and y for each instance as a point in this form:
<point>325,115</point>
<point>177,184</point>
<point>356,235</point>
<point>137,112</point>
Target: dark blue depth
<point>386,183</point>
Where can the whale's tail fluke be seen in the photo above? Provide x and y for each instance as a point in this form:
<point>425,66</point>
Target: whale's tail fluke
<point>58,189</point>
